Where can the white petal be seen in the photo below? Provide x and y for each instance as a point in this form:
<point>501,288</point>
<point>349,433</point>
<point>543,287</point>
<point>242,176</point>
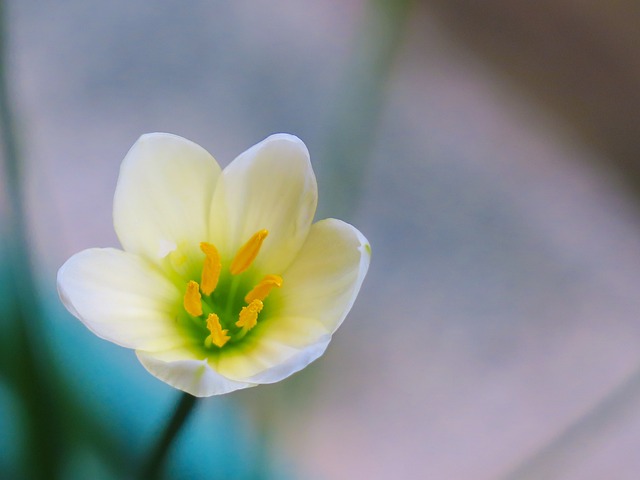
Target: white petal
<point>318,291</point>
<point>179,369</point>
<point>277,348</point>
<point>121,297</point>
<point>163,195</point>
<point>325,278</point>
<point>292,364</point>
<point>270,186</point>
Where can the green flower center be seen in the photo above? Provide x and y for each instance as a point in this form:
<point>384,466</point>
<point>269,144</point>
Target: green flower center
<point>225,305</point>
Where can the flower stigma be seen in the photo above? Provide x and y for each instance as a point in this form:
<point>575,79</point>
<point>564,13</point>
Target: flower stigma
<point>212,303</point>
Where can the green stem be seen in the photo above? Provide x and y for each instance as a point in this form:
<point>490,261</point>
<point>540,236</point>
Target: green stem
<point>353,123</point>
<point>153,467</point>
<point>22,357</point>
<point>579,438</point>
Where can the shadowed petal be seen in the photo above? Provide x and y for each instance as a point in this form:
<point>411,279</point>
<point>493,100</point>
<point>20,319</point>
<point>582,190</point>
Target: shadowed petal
<point>121,297</point>
<point>325,278</point>
<point>318,291</point>
<point>279,347</point>
<point>270,186</point>
<point>163,196</point>
<point>179,369</point>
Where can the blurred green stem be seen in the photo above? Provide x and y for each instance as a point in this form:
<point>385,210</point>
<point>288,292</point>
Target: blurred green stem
<point>352,125</point>
<point>350,134</point>
<point>153,467</point>
<point>576,440</point>
<point>21,359</point>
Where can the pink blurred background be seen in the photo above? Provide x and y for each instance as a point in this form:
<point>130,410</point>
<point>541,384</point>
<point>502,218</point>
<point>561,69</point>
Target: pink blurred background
<point>497,334</point>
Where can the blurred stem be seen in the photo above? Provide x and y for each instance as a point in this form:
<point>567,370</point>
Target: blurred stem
<point>575,440</point>
<point>153,467</point>
<point>10,157</point>
<point>21,356</point>
<point>349,142</point>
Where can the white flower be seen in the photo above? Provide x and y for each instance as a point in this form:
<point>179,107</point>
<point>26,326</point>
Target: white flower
<point>223,282</point>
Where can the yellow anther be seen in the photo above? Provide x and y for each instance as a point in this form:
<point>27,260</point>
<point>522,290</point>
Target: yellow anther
<point>248,253</point>
<point>211,268</point>
<point>262,289</point>
<point>249,315</point>
<point>192,297</point>
<point>218,336</point>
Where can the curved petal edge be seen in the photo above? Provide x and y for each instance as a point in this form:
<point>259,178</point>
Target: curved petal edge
<point>120,297</point>
<point>195,377</point>
<point>163,195</point>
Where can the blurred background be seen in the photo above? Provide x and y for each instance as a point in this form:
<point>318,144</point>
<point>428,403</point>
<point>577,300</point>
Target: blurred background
<point>488,150</point>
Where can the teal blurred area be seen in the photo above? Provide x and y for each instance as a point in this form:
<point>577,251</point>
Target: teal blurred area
<point>131,408</point>
<point>500,314</point>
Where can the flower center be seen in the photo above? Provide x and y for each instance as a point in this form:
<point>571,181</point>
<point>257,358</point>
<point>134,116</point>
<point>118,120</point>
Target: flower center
<point>216,307</point>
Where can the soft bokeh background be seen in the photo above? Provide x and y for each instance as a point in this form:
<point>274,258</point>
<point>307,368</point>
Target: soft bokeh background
<point>488,150</point>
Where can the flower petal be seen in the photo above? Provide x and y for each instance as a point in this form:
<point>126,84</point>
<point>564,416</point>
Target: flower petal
<point>319,289</point>
<point>163,196</point>
<point>270,186</point>
<point>277,348</point>
<point>326,276</point>
<point>179,369</point>
<point>121,297</point>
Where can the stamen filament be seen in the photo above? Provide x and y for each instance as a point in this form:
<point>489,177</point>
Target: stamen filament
<point>192,299</point>
<point>211,268</point>
<point>248,253</point>
<point>262,289</point>
<point>248,317</point>
<point>233,291</point>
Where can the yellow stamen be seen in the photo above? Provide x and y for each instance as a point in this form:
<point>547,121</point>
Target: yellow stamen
<point>263,288</point>
<point>218,336</point>
<point>211,268</point>
<point>248,253</point>
<point>192,297</point>
<point>249,315</point>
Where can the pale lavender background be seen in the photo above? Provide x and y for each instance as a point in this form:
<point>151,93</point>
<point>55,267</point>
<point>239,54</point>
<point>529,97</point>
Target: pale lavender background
<point>502,302</point>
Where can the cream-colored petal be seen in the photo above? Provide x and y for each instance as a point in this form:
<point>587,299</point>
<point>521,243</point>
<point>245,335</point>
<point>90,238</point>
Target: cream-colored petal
<point>278,347</point>
<point>318,291</point>
<point>163,196</point>
<point>326,276</point>
<point>181,370</point>
<point>270,186</point>
<point>121,297</point>
<point>293,363</point>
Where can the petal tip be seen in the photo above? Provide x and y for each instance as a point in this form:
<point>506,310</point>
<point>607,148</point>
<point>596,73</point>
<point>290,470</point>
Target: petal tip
<point>287,138</point>
<point>153,138</point>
